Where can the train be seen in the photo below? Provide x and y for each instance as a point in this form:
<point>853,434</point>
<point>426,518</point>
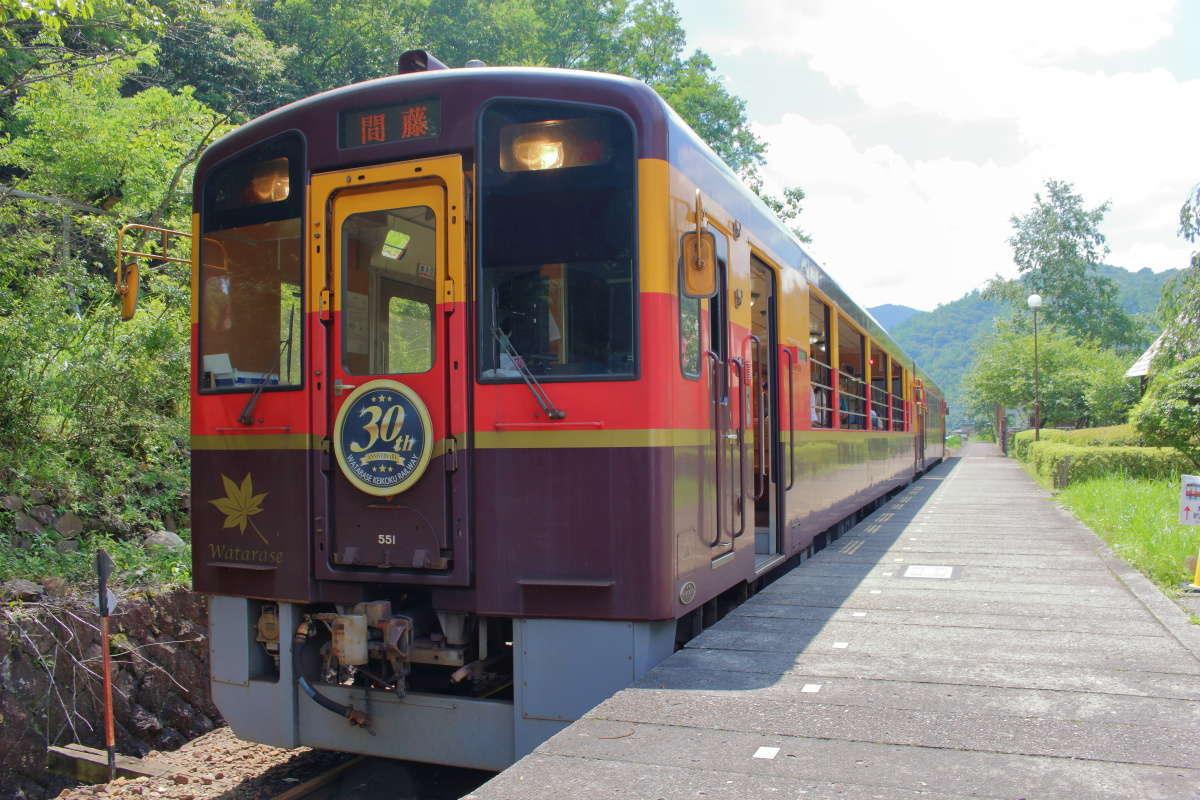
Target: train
<point>503,386</point>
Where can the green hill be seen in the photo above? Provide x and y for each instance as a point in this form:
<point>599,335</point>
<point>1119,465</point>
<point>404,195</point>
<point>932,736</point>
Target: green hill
<point>891,315</point>
<point>944,341</point>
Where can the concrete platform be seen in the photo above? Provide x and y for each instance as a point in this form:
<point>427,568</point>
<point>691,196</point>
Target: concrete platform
<point>969,639</point>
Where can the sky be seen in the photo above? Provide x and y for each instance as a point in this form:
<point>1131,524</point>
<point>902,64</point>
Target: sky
<point>918,129</point>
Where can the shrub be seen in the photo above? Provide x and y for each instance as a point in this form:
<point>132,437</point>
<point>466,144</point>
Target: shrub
<point>1023,439</point>
<point>1111,436</point>
<point>1169,414</point>
<point>1063,464</point>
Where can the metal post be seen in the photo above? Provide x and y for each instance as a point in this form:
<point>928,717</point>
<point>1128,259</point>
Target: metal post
<point>104,568</point>
<point>1037,395</point>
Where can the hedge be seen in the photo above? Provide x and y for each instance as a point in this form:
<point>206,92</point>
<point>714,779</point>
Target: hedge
<point>1022,440</point>
<point>1063,464</point>
<point>1112,436</point>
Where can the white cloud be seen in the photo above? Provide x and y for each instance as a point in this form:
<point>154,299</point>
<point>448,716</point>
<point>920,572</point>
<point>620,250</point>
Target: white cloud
<point>939,226</point>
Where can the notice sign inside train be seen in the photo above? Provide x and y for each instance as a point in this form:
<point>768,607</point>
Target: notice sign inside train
<point>1189,500</point>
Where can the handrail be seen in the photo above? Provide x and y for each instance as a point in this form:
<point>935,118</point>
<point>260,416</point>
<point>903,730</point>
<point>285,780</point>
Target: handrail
<point>760,427</point>
<point>791,419</point>
<point>126,276</point>
<point>823,410</point>
<point>740,509</point>
<point>854,415</point>
<point>718,439</point>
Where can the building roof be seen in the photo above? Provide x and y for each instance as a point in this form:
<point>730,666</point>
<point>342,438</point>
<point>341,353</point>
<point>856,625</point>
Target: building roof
<point>1141,367</point>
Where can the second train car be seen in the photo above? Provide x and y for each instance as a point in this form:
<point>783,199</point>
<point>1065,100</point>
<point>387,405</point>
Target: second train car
<point>501,378</point>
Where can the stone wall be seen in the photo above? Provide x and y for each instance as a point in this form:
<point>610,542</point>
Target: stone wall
<point>51,690</point>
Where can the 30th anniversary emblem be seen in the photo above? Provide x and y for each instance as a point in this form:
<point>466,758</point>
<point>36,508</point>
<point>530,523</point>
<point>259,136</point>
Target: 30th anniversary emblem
<point>383,437</point>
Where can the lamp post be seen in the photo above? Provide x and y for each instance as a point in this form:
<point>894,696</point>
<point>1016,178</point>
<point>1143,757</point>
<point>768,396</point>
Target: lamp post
<point>1035,302</point>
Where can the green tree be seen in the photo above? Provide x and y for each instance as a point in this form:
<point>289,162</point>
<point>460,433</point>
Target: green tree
<point>788,208</point>
<point>44,39</point>
<point>1057,246</point>
<point>94,406</point>
<point>1169,414</point>
<point>219,49</point>
<point>1080,384</point>
<point>331,43</point>
<point>1179,309</point>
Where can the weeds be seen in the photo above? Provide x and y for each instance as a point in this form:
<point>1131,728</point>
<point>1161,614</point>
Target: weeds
<point>1139,521</point>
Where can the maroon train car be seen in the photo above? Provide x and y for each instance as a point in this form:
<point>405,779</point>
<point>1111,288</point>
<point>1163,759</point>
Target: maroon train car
<point>501,379</point>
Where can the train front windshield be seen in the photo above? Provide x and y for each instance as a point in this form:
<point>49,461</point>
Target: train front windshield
<point>556,268</point>
<point>251,273</point>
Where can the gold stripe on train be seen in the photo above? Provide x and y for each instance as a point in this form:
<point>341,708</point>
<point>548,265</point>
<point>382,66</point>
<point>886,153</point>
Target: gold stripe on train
<point>275,441</point>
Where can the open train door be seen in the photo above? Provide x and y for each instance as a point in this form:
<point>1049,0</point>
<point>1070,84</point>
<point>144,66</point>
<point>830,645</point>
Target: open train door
<point>395,388</point>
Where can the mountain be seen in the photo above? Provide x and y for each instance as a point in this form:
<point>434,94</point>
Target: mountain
<point>944,341</point>
<point>891,315</point>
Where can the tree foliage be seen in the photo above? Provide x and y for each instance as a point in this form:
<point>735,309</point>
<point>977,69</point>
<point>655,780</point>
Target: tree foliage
<point>1057,247</point>
<point>1169,414</point>
<point>1179,310</point>
<point>89,405</point>
<point>1079,383</point>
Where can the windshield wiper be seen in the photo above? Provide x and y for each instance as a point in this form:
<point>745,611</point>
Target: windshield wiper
<point>539,394</point>
<point>247,415</point>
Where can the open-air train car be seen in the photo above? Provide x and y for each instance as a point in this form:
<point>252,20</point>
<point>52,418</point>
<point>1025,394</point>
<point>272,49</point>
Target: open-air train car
<point>467,457</point>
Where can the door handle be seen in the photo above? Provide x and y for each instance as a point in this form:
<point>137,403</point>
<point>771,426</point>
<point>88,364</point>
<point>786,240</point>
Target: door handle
<point>339,387</point>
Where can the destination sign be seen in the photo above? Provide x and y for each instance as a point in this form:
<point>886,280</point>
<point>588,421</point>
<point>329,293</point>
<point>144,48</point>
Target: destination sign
<point>394,123</point>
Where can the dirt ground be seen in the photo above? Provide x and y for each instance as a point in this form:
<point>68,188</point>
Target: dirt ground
<point>217,765</point>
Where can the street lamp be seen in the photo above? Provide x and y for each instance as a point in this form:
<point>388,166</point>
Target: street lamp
<point>1035,302</point>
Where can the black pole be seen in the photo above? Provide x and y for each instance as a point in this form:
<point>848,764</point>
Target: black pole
<point>1037,395</point>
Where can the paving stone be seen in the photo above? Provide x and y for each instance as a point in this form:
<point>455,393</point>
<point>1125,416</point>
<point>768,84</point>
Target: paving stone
<point>1045,667</point>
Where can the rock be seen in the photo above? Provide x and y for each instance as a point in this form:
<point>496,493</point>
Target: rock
<point>27,524</point>
<point>180,778</point>
<point>11,502</point>
<point>43,514</point>
<point>114,524</point>
<point>163,539</point>
<point>69,525</point>
<point>37,497</point>
<point>21,589</point>
<point>169,523</point>
<point>66,546</point>
<point>55,587</point>
<point>143,722</point>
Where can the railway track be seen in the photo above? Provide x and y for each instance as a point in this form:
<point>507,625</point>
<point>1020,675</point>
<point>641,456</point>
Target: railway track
<point>368,778</point>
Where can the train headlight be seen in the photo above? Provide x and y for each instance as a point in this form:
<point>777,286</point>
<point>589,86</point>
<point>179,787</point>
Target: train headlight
<point>538,153</point>
<point>554,144</point>
<point>270,182</point>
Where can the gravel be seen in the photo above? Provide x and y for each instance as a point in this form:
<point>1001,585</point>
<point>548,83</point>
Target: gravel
<point>217,764</point>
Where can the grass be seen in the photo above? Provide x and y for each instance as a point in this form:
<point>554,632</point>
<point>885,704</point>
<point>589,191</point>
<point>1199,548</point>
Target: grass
<point>136,566</point>
<point>954,442</point>
<point>1139,521</point>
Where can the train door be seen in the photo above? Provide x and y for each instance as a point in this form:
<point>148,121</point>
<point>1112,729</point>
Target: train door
<point>726,382</point>
<point>396,371</point>
<point>763,411</point>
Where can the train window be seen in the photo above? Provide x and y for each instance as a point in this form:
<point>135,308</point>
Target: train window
<point>852,390</point>
<point>878,364</point>
<point>556,245</point>
<point>388,262</point>
<point>897,397</point>
<point>689,335</point>
<point>251,271</point>
<point>821,394</point>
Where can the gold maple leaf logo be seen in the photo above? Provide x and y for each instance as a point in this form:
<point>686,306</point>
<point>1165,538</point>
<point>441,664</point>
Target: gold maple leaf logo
<point>240,504</point>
